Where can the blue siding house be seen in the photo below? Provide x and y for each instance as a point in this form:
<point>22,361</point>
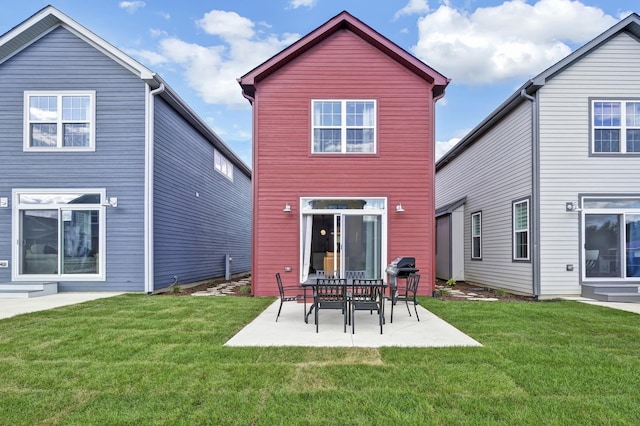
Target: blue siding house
<point>108,180</point>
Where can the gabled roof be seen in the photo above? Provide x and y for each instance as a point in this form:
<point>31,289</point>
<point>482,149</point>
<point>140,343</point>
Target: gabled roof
<point>343,21</point>
<point>630,25</point>
<point>49,18</point>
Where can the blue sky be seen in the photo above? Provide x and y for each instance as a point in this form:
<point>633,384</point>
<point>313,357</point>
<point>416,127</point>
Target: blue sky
<point>487,47</point>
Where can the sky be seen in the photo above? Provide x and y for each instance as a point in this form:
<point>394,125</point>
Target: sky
<point>488,48</point>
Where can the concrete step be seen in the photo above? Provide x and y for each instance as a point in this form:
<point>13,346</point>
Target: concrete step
<point>632,297</point>
<point>27,290</point>
<point>593,290</point>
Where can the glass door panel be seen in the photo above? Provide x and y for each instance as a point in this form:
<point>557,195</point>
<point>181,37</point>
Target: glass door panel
<point>602,241</point>
<point>632,241</point>
<point>39,242</point>
<point>362,244</point>
<point>80,241</point>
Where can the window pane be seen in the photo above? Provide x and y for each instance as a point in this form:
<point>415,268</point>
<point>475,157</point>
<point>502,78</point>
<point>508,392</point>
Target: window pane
<point>612,203</point>
<point>44,135</point>
<point>327,113</point>
<point>326,140</point>
<point>360,140</point>
<point>522,245</point>
<point>602,240</point>
<point>80,242</point>
<point>633,114</point>
<point>39,235</point>
<point>521,217</point>
<point>607,140</point>
<point>632,222</point>
<point>35,198</point>
<point>75,108</point>
<point>606,113</point>
<point>633,140</point>
<point>476,247</point>
<point>43,108</point>
<point>76,134</point>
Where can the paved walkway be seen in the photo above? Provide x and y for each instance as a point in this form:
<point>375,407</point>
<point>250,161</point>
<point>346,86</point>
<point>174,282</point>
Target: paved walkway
<point>12,307</point>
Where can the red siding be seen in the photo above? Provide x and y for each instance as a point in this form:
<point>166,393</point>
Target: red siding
<point>342,67</point>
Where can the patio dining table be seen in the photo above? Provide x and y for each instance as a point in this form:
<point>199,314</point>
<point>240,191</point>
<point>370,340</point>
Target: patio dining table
<point>378,286</point>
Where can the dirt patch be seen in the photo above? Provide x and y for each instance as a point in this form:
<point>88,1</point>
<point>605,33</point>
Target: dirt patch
<point>464,291</point>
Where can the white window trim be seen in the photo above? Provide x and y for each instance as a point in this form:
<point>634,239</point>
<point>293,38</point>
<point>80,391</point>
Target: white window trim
<point>622,127</point>
<point>59,147</point>
<point>302,202</point>
<point>479,236</point>
<point>605,210</point>
<point>222,165</point>
<point>16,256</point>
<point>515,231</point>
<point>344,127</point>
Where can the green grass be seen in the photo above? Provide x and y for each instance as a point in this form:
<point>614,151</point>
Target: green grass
<point>138,359</point>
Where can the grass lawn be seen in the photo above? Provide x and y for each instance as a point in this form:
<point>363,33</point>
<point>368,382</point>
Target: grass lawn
<point>138,359</point>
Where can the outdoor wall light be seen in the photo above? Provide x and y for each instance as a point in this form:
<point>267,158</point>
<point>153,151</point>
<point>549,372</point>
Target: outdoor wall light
<point>399,208</point>
<point>572,206</point>
<point>111,202</point>
<point>287,208</point>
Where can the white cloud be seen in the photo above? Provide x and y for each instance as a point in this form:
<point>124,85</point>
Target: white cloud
<point>414,7</point>
<point>132,6</point>
<point>515,39</point>
<point>155,32</point>
<point>147,57</point>
<point>294,4</point>
<point>442,147</point>
<point>212,70</point>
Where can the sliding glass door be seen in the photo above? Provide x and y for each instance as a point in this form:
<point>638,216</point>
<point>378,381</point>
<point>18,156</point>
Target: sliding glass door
<point>340,235</point>
<point>611,238</point>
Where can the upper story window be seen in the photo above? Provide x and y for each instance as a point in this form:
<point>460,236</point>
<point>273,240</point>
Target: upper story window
<point>616,127</point>
<point>222,165</point>
<point>59,120</point>
<point>476,236</point>
<point>344,126</point>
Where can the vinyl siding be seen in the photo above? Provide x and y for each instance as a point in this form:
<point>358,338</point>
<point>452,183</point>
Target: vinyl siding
<point>492,173</point>
<point>199,214</point>
<point>61,61</point>
<point>342,67</point>
<point>567,170</point>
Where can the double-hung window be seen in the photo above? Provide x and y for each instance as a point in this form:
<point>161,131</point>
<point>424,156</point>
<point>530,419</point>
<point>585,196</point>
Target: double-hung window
<point>222,165</point>
<point>616,127</point>
<point>59,121</point>
<point>476,235</point>
<point>521,230</point>
<point>343,126</point>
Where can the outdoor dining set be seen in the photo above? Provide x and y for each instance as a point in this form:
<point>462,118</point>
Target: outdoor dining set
<point>354,292</point>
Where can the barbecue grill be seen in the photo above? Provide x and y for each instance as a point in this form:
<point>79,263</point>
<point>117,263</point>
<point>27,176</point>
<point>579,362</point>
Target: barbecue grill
<point>401,267</point>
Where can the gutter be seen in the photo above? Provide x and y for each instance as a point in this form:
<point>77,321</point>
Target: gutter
<point>149,268</point>
<point>535,193</point>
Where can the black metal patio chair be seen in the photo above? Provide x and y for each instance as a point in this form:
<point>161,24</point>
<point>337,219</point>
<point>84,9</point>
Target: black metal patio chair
<point>330,293</point>
<point>366,295</point>
<point>406,294</point>
<point>288,293</point>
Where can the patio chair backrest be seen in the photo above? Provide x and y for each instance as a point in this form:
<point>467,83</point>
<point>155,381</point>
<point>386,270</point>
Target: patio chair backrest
<point>280,286</point>
<point>412,283</point>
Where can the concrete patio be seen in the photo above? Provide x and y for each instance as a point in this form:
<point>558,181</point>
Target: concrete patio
<point>405,331</point>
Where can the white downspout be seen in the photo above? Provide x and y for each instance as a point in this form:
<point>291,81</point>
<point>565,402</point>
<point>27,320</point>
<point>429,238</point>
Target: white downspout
<point>148,188</point>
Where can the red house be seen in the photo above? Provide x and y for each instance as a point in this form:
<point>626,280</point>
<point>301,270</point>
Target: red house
<point>343,157</point>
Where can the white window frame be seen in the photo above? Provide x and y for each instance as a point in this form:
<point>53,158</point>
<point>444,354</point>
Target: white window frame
<point>622,128</point>
<point>477,215</point>
<point>59,121</point>
<point>17,207</point>
<point>343,126</point>
<point>525,231</point>
<point>222,165</point>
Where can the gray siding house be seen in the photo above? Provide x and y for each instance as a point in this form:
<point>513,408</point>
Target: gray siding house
<point>108,180</point>
<point>548,184</point>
